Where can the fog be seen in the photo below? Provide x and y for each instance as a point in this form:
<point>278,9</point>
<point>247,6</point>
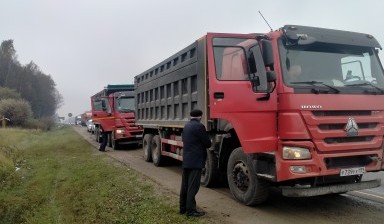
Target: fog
<point>86,44</point>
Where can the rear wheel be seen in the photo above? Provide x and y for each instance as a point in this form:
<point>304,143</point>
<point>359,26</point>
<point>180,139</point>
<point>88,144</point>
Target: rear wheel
<point>147,147</point>
<point>157,158</point>
<point>210,174</point>
<point>245,186</point>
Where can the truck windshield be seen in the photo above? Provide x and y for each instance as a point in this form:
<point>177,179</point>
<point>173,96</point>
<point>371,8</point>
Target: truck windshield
<point>125,104</point>
<point>338,68</point>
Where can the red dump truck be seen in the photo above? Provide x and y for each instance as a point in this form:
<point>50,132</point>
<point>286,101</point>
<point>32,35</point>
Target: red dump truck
<point>113,111</point>
<point>314,134</point>
<point>83,118</point>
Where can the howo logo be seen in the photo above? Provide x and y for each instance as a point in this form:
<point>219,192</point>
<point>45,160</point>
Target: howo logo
<point>351,127</point>
<point>311,106</point>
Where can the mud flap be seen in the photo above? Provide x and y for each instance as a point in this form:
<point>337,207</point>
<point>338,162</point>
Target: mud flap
<point>340,188</point>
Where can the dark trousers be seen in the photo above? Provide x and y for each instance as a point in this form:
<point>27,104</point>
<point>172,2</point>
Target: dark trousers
<point>190,185</point>
<point>104,141</point>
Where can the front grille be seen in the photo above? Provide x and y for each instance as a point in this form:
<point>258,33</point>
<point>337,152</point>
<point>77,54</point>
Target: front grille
<point>130,120</point>
<point>342,126</point>
<point>351,161</point>
<point>328,129</point>
<point>348,139</point>
<point>342,113</point>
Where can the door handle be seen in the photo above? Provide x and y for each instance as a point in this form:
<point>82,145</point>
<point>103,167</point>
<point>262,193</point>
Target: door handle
<point>218,95</point>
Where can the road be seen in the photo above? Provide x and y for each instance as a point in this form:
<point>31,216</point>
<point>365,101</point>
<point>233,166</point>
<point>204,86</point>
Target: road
<point>354,207</point>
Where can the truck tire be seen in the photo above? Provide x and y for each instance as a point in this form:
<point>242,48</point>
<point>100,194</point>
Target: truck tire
<point>114,143</point>
<point>147,147</point>
<point>210,174</point>
<point>157,158</point>
<point>245,186</point>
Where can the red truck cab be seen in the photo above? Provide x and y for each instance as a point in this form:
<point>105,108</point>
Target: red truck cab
<point>113,111</point>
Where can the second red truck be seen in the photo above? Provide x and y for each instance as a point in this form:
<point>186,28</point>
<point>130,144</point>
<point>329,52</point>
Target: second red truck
<point>113,111</point>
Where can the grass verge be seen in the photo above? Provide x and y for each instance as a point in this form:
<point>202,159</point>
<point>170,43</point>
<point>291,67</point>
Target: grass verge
<point>57,177</point>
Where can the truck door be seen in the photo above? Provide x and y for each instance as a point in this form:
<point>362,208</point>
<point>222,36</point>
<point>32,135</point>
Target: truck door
<point>102,113</point>
<point>233,100</point>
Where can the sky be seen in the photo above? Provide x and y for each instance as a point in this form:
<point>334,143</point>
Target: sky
<point>87,44</point>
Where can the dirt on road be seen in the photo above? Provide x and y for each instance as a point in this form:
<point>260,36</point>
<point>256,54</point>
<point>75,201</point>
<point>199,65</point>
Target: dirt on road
<point>222,208</point>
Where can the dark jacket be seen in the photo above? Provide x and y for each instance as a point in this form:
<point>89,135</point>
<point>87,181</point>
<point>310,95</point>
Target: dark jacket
<point>195,141</point>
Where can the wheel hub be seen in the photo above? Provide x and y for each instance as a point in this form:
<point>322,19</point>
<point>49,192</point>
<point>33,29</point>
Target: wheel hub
<point>241,176</point>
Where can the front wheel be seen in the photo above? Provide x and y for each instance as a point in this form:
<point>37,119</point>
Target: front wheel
<point>114,142</point>
<point>245,186</point>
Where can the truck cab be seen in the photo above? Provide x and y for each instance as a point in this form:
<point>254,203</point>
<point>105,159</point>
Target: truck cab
<point>113,111</point>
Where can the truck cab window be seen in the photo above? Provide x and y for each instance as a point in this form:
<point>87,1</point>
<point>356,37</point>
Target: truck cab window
<point>231,63</point>
<point>230,58</point>
<point>97,104</point>
<point>125,104</point>
<point>101,104</point>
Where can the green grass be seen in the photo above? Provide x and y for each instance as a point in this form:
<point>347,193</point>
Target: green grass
<point>62,179</point>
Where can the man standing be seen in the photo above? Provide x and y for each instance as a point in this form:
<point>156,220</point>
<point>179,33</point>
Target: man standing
<point>195,141</point>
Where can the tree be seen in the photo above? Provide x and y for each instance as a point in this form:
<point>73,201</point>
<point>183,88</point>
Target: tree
<point>18,111</point>
<point>33,85</point>
<point>40,90</point>
<point>8,61</point>
<point>7,93</point>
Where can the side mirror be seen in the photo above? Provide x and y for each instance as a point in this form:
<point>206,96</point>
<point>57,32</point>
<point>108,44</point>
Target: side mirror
<point>267,51</point>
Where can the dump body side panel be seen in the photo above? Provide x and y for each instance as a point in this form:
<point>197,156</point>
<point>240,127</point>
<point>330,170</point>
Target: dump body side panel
<point>166,93</point>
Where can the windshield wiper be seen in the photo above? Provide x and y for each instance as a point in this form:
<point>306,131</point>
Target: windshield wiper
<point>366,84</point>
<point>315,83</point>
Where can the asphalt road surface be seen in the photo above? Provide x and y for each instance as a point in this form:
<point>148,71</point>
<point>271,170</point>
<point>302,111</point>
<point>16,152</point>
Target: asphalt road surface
<point>365,206</point>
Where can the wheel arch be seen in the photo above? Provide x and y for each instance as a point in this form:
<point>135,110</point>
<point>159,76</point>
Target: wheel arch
<point>228,141</point>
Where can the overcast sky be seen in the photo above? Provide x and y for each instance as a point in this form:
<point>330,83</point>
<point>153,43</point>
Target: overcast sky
<point>86,44</point>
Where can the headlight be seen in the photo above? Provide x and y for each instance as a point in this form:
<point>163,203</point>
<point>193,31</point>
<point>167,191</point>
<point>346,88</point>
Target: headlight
<point>290,152</point>
<point>120,131</point>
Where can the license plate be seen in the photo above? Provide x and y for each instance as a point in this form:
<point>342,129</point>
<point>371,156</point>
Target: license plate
<point>352,171</point>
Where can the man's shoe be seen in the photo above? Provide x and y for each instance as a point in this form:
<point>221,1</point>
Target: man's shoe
<point>182,212</point>
<point>195,214</point>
